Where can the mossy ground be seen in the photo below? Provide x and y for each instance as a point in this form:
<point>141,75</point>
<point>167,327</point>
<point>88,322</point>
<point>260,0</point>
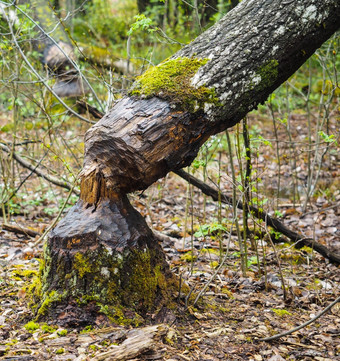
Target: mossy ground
<point>171,80</point>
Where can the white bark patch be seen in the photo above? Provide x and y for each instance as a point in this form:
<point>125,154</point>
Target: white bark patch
<point>208,108</point>
<point>279,31</point>
<point>226,96</point>
<point>309,14</point>
<point>109,250</point>
<point>255,80</point>
<point>195,81</point>
<point>275,48</point>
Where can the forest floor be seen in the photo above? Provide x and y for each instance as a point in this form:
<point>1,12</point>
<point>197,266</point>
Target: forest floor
<point>237,310</point>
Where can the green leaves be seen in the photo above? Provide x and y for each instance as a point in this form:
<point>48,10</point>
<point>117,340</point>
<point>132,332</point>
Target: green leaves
<point>328,138</point>
<point>142,23</point>
<point>210,229</point>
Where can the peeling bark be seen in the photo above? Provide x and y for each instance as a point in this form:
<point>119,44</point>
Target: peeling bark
<point>102,251</point>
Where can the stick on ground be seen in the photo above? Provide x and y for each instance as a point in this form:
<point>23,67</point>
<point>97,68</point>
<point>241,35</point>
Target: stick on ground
<point>272,222</point>
<point>275,337</point>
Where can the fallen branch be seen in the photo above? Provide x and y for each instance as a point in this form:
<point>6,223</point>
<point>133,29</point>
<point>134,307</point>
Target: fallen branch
<point>97,114</point>
<point>275,337</point>
<point>20,230</point>
<point>49,178</point>
<point>272,222</point>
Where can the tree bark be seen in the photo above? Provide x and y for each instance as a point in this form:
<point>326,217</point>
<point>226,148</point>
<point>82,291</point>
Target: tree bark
<point>102,257</point>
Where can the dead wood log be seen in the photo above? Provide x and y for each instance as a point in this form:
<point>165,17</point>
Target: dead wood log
<point>102,257</point>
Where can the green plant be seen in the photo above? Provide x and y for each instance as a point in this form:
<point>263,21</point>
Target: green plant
<point>62,333</point>
<point>32,326</point>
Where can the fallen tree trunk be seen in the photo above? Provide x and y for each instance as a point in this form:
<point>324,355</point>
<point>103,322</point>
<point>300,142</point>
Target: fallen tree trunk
<point>102,257</point>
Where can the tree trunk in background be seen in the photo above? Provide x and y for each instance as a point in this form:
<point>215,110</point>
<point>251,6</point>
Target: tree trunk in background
<point>56,56</point>
<point>102,257</point>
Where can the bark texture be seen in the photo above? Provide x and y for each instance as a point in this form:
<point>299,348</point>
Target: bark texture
<point>245,56</point>
<point>104,259</point>
<point>255,48</point>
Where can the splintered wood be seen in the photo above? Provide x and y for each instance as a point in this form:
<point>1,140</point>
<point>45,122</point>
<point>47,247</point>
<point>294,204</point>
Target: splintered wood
<point>138,341</point>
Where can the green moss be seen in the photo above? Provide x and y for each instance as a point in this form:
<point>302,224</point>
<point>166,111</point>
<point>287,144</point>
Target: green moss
<point>25,273</point>
<point>12,342</point>
<point>32,326</point>
<point>87,329</point>
<point>189,257</point>
<point>280,312</point>
<point>171,80</point>
<point>268,73</point>
<point>211,251</point>
<point>93,348</point>
<point>48,299</point>
<point>81,263</point>
<point>60,351</point>
<point>48,329</point>
<point>214,264</point>
<point>122,285</point>
<point>143,280</point>
<point>62,333</point>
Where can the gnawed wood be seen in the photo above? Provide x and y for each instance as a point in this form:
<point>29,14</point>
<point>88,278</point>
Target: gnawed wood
<point>104,255</point>
<point>138,342</point>
<point>136,143</point>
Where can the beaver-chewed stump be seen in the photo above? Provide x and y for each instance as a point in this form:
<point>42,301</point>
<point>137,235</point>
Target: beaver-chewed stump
<point>104,260</point>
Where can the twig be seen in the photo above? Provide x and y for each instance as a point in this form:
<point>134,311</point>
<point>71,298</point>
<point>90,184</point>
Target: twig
<point>25,179</point>
<point>275,337</point>
<point>217,269</point>
<point>24,163</point>
<point>92,110</point>
<point>40,78</point>
<point>269,221</point>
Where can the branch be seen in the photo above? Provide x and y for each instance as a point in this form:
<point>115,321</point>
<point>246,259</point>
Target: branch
<point>269,221</point>
<point>64,184</point>
<point>39,77</point>
<point>275,337</point>
<point>63,52</point>
<point>20,230</point>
